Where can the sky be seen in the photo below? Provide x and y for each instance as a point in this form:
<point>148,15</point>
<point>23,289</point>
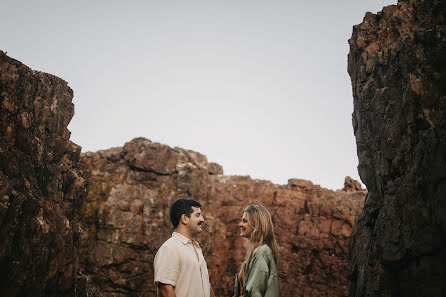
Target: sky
<point>260,87</point>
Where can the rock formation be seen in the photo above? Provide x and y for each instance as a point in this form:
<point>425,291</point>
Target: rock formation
<point>126,219</point>
<point>397,65</point>
<point>40,185</point>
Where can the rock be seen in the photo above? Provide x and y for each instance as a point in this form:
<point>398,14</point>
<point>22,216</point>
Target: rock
<point>126,219</point>
<point>397,65</point>
<point>351,185</point>
<point>41,185</point>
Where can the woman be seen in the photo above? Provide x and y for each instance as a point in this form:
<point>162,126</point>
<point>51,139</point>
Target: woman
<point>258,274</point>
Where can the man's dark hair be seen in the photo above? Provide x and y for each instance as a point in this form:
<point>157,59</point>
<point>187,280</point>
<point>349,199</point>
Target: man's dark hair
<point>182,206</point>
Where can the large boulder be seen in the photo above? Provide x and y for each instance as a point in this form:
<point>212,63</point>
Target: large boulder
<point>397,65</point>
<point>41,187</point>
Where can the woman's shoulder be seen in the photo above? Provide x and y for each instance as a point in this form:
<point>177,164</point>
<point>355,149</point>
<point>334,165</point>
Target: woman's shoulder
<point>263,250</point>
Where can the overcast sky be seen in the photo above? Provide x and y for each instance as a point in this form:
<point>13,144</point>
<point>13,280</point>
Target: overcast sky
<point>260,87</point>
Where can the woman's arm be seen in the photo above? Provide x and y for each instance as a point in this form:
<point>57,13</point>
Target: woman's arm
<point>257,282</point>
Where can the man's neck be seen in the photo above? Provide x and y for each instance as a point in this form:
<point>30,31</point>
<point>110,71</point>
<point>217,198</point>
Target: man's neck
<point>183,231</point>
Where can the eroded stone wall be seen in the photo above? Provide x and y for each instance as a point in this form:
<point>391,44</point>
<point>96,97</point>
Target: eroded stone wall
<point>126,219</point>
<point>397,65</point>
<point>41,187</point>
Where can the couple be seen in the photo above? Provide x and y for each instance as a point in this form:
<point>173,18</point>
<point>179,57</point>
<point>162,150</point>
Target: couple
<point>181,271</point>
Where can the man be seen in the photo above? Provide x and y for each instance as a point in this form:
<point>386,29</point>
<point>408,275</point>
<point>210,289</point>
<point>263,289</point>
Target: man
<point>180,268</point>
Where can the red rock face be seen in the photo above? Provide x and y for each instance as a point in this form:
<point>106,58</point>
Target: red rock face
<point>397,64</point>
<point>126,219</point>
<point>40,185</point>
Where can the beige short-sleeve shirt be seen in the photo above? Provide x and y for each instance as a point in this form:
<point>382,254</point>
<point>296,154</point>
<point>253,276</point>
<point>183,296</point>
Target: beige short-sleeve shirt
<point>179,262</point>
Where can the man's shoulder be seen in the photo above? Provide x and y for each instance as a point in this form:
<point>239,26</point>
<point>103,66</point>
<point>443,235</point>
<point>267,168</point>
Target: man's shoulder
<point>168,251</point>
<point>171,243</point>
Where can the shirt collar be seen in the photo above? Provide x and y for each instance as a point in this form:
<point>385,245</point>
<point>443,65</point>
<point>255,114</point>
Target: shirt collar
<point>181,238</point>
<point>184,240</point>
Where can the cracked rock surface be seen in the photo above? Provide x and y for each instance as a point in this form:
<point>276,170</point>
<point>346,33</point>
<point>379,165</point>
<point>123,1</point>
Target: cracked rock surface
<point>41,187</point>
<point>397,65</point>
<point>126,219</point>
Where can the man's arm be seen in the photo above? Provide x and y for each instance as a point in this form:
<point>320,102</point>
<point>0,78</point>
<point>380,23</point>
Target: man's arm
<point>167,290</point>
<point>166,268</point>
<point>211,294</point>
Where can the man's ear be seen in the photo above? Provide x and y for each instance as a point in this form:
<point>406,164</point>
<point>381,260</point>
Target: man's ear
<point>184,219</point>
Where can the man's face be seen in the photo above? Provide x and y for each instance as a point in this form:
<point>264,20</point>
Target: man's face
<point>195,221</point>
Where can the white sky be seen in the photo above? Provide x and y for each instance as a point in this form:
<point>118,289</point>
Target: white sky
<point>260,87</point>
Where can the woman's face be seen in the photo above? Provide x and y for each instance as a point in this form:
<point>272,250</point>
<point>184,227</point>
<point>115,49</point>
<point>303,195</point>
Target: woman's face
<point>245,227</point>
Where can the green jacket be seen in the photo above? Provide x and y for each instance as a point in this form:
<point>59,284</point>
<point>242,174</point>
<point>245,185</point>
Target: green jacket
<point>262,279</point>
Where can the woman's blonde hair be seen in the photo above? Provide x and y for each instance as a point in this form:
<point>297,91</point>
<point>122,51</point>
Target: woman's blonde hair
<point>263,233</point>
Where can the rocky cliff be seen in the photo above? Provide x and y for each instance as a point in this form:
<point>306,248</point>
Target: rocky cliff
<point>41,187</point>
<point>126,219</point>
<point>397,65</point>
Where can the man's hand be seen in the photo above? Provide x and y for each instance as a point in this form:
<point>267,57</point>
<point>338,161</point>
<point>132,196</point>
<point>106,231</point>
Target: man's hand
<point>167,290</point>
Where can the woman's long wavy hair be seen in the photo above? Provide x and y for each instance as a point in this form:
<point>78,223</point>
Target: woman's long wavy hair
<point>263,233</point>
